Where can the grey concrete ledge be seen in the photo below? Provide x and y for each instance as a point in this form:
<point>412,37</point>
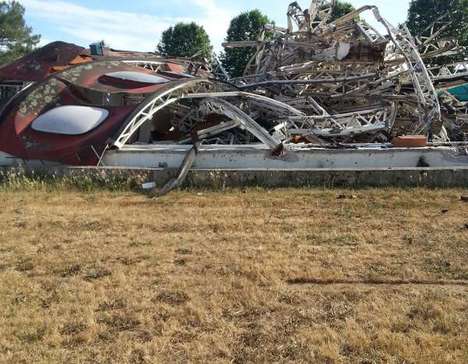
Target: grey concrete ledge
<point>424,177</point>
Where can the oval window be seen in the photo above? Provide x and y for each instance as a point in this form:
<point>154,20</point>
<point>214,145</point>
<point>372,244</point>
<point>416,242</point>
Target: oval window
<point>70,120</point>
<point>137,77</point>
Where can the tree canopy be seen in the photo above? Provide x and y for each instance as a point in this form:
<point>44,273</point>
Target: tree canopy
<point>185,40</point>
<point>423,13</point>
<point>16,38</point>
<point>246,26</point>
<point>341,9</point>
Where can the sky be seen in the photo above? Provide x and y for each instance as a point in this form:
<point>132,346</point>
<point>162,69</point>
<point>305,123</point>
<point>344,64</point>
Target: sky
<point>137,25</point>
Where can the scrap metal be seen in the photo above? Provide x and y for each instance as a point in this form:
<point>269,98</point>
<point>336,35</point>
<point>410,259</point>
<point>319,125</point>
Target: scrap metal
<point>316,83</point>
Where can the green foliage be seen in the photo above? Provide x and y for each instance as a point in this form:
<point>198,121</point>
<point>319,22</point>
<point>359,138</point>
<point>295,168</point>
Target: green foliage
<point>341,9</point>
<point>423,13</point>
<point>185,40</point>
<point>246,26</point>
<point>16,37</point>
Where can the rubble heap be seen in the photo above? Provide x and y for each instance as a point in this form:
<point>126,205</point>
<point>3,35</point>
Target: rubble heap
<point>317,83</point>
<point>353,83</point>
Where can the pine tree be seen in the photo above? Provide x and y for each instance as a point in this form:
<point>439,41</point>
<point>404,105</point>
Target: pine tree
<point>16,38</point>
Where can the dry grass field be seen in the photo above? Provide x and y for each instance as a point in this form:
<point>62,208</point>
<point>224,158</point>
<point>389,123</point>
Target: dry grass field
<point>308,275</point>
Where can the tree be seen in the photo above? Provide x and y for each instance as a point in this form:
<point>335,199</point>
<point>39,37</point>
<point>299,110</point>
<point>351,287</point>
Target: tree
<point>185,40</point>
<point>340,9</point>
<point>246,26</point>
<point>423,13</point>
<point>16,37</point>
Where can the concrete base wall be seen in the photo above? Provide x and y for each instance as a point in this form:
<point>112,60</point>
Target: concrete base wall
<point>378,178</point>
<point>420,177</point>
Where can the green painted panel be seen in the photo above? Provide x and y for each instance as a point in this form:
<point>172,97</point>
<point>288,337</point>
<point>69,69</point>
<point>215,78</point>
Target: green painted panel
<point>460,92</point>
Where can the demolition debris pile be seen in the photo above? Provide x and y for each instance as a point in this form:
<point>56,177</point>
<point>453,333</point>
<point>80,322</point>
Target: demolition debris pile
<point>318,83</point>
<point>348,82</point>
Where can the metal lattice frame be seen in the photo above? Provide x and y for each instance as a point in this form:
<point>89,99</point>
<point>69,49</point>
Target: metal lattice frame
<point>190,90</point>
<point>154,66</point>
<point>448,71</point>
<point>424,88</point>
<point>326,125</point>
<point>157,102</point>
<point>318,14</point>
<point>266,102</point>
<point>433,41</point>
<point>309,61</point>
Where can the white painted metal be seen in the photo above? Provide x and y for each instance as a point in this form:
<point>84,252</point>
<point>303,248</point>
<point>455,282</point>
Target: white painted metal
<point>249,124</point>
<point>258,157</point>
<point>266,100</point>
<point>161,100</point>
<point>449,71</point>
<point>156,103</point>
<point>327,125</point>
<point>184,169</point>
<point>428,100</point>
<point>150,65</point>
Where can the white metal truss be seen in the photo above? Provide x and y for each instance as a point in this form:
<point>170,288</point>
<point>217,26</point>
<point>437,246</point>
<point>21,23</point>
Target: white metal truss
<point>371,34</point>
<point>216,103</point>
<point>318,14</point>
<point>155,103</point>
<point>433,42</point>
<point>188,90</point>
<point>289,118</point>
<point>324,124</point>
<point>424,88</point>
<point>404,43</point>
<point>340,125</point>
<point>297,16</point>
<point>218,69</point>
<point>448,71</point>
<point>266,101</point>
<point>154,66</point>
<point>249,124</point>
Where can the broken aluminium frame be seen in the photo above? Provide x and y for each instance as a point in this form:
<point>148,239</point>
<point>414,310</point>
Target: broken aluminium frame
<point>197,89</point>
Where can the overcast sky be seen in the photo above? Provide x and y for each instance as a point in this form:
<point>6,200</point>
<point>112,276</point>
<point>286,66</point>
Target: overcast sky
<point>138,24</point>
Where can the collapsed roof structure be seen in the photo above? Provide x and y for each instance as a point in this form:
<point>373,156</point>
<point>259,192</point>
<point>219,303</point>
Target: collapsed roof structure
<point>350,80</point>
<point>312,87</point>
